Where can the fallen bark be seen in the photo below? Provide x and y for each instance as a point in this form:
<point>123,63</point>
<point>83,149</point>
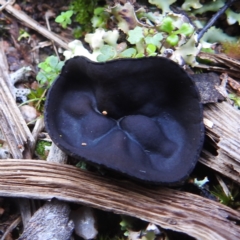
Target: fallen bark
<point>49,222</point>
<point>223,134</point>
<point>171,209</point>
<point>12,124</point>
<point>52,220</point>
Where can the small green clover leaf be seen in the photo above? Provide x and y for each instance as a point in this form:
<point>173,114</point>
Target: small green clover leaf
<point>151,50</point>
<point>52,61</point>
<point>65,18</point>
<point>107,53</point>
<point>130,52</point>
<point>167,25</point>
<point>49,70</point>
<point>135,35</point>
<point>41,77</point>
<point>186,29</point>
<point>155,40</point>
<point>172,39</point>
<point>139,55</point>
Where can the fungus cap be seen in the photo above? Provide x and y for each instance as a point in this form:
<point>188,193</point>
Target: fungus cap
<point>141,117</point>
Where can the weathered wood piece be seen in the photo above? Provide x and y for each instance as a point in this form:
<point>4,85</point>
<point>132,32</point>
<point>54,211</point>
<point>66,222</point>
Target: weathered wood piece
<point>224,136</point>
<point>222,63</point>
<point>12,124</point>
<point>49,222</point>
<point>56,155</point>
<point>26,20</point>
<point>52,220</point>
<point>171,209</point>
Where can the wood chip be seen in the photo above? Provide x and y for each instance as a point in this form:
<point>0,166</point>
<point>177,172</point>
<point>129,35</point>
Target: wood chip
<point>208,123</point>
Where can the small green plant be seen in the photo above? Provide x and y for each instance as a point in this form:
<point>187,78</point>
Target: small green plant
<point>235,98</point>
<point>23,34</point>
<point>83,12</point>
<point>173,38</point>
<point>100,18</point>
<point>82,165</point>
<point>228,200</point>
<point>126,224</point>
<point>64,18</point>
<point>41,148</point>
<point>50,69</point>
<point>37,98</point>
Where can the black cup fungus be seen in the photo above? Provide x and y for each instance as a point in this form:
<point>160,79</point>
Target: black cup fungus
<point>141,117</point>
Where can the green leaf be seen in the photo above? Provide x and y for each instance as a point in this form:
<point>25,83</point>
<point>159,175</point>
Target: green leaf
<point>52,61</point>
<point>65,18</point>
<point>35,94</point>
<point>48,69</point>
<point>155,40</point>
<point>151,48</point>
<point>69,13</point>
<point>41,77</point>
<point>60,65</point>
<point>59,19</point>
<point>167,25</point>
<point>128,53</point>
<point>102,58</point>
<point>108,51</point>
<point>140,55</point>
<point>98,10</point>
<point>23,34</point>
<point>185,29</point>
<point>172,39</point>
<point>135,35</point>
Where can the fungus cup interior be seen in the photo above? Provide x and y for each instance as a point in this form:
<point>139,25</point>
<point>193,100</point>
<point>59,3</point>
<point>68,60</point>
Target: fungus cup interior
<point>141,117</point>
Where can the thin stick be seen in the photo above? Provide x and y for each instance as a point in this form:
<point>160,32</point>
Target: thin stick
<point>11,227</point>
<point>5,4</point>
<point>214,19</point>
